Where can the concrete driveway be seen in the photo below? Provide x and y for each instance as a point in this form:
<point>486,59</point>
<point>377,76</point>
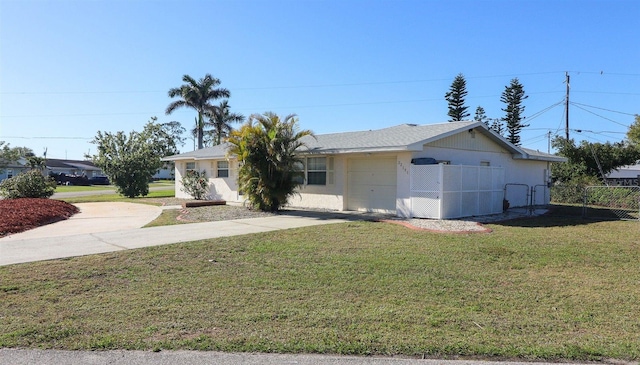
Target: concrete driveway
<point>109,227</point>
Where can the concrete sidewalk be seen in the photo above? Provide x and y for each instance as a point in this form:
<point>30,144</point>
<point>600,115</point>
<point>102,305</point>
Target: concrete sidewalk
<point>97,232</point>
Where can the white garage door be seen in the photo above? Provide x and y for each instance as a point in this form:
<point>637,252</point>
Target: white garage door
<point>372,185</point>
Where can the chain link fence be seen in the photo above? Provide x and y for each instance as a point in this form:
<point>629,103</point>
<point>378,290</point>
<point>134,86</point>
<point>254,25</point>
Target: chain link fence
<point>612,202</point>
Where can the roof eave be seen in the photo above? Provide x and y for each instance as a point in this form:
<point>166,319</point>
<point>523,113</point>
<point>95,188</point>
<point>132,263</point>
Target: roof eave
<point>336,151</point>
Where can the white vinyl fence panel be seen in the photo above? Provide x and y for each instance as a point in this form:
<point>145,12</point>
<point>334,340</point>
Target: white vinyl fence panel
<point>453,191</point>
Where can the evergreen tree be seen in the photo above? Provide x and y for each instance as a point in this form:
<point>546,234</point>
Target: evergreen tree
<point>497,126</point>
<point>513,96</point>
<point>481,116</point>
<point>455,98</point>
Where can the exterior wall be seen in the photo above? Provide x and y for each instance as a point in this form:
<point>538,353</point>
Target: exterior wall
<point>15,170</point>
<point>329,196</point>
<point>219,188</point>
<point>403,190</point>
<point>476,149</point>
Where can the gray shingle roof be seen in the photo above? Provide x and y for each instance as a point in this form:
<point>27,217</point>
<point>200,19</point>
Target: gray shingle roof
<point>404,137</point>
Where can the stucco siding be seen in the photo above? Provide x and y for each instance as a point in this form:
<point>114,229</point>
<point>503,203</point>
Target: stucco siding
<point>329,196</point>
<point>403,189</point>
<point>470,141</point>
<point>219,188</point>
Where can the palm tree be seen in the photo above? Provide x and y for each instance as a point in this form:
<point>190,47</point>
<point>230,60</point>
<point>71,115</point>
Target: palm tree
<point>36,163</point>
<point>197,95</point>
<point>266,146</point>
<point>220,120</point>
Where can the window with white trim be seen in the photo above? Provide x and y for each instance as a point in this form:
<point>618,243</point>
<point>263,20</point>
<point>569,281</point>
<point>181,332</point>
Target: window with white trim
<point>189,166</point>
<point>222,168</point>
<point>9,173</point>
<point>314,171</point>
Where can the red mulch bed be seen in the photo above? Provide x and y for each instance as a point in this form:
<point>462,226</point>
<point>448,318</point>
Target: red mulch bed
<point>18,215</point>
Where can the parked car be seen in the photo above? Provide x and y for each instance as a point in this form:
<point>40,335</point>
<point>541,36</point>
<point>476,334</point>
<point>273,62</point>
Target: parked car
<point>99,180</point>
<point>64,179</point>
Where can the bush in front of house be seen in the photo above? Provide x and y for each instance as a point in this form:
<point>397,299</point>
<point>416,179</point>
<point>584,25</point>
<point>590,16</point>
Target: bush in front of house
<point>30,184</point>
<point>195,184</point>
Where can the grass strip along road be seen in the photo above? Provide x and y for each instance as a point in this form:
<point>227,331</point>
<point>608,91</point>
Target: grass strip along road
<point>543,288</point>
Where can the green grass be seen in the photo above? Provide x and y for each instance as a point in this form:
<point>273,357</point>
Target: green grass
<point>169,193</point>
<point>549,288</point>
<point>74,188</point>
<point>168,217</point>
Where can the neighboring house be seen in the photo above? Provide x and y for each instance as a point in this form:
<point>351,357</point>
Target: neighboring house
<point>165,173</point>
<point>625,176</point>
<point>72,167</point>
<point>55,166</point>
<point>14,169</point>
<point>439,171</point>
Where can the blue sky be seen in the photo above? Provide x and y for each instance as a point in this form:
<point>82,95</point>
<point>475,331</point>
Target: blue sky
<point>71,68</point>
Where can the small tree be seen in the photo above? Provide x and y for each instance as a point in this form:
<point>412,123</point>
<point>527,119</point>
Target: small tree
<point>633,134</point>
<point>513,96</point>
<point>455,98</point>
<point>497,126</point>
<point>131,161</point>
<point>30,184</point>
<point>481,116</point>
<point>266,148</point>
<point>195,184</point>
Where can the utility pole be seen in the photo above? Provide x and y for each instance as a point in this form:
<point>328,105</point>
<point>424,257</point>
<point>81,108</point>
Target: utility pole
<point>566,108</point>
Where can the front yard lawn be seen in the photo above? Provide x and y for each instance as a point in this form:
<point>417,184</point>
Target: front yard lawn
<point>548,288</point>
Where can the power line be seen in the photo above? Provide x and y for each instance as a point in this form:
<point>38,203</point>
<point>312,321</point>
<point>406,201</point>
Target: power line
<point>595,107</point>
<point>309,86</point>
<point>46,137</point>
<point>603,117</point>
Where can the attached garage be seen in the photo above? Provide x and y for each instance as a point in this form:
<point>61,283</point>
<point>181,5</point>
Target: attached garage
<point>372,184</point>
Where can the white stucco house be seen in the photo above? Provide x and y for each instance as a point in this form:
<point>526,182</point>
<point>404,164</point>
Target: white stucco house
<point>445,170</point>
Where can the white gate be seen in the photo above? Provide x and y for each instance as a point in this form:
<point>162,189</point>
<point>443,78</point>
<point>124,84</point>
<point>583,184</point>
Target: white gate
<point>454,191</point>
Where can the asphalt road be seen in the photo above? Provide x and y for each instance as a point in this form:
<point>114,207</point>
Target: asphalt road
<point>73,194</point>
<point>50,357</point>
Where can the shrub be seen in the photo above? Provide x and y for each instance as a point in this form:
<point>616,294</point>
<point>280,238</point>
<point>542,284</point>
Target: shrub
<point>30,184</point>
<point>195,184</point>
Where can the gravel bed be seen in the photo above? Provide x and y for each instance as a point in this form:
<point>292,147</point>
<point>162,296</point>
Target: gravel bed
<point>446,225</point>
<point>220,213</point>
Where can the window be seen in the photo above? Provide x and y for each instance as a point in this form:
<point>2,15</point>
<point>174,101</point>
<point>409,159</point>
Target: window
<point>485,163</point>
<point>190,166</point>
<point>223,168</point>
<point>9,173</point>
<point>298,175</point>
<point>314,171</point>
<point>317,171</point>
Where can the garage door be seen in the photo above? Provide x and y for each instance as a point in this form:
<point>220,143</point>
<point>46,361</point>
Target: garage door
<point>372,185</point>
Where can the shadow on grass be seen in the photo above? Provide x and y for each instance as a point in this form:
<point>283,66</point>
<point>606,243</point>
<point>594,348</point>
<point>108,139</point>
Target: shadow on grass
<point>560,215</point>
<point>328,215</point>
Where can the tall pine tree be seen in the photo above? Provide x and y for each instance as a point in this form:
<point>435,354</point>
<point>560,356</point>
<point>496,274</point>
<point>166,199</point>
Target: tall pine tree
<point>481,116</point>
<point>513,96</point>
<point>455,98</point>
